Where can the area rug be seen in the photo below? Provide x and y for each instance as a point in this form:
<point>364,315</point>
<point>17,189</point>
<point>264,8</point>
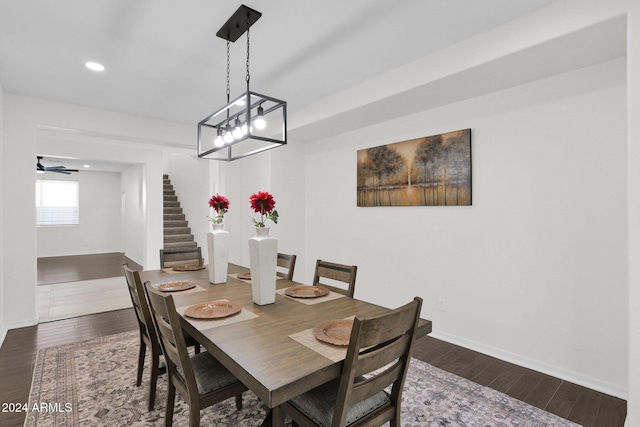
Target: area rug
<point>93,384</point>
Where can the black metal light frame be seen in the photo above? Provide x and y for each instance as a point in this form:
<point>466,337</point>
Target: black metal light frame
<point>243,110</point>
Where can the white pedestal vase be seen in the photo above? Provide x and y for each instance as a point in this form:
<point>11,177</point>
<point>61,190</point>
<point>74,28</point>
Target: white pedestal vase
<point>263,253</point>
<point>218,242</point>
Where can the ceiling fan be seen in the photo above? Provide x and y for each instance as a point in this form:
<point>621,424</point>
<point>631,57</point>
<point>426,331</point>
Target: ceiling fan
<point>58,169</point>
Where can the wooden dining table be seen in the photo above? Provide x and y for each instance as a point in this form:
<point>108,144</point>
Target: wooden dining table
<point>268,347</point>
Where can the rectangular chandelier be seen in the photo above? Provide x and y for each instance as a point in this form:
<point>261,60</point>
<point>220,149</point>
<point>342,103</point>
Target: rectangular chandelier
<point>249,124</point>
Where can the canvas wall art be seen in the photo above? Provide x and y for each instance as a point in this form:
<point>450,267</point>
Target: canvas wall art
<point>429,171</point>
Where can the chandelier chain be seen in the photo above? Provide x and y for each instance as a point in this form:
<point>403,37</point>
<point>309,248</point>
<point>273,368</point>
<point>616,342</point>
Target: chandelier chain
<point>248,43</point>
<point>228,65</point>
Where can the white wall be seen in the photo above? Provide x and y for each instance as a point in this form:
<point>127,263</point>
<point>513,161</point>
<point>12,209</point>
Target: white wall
<point>633,150</point>
<point>535,270</point>
<point>133,186</point>
<point>281,172</point>
<point>99,228</point>
<point>34,125</point>
<point>3,328</point>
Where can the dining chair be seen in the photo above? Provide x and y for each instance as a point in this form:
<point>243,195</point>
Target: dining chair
<point>174,257</point>
<point>201,379</point>
<point>378,356</point>
<point>148,335</point>
<point>286,263</point>
<point>338,272</point>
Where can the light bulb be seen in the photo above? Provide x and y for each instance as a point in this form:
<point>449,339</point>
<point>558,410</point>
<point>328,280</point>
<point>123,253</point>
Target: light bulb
<point>228,136</point>
<point>259,122</point>
<point>219,141</point>
<point>237,130</point>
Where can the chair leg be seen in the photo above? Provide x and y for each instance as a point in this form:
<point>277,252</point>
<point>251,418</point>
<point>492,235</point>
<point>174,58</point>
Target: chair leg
<point>143,351</point>
<point>395,421</point>
<point>197,348</point>
<point>155,367</point>
<point>194,416</point>
<point>239,401</point>
<point>171,397</point>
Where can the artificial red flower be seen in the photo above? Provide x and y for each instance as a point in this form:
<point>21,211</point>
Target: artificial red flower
<point>221,205</point>
<point>264,204</point>
<point>218,203</point>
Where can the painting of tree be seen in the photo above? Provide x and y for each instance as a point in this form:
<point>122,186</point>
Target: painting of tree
<point>430,171</point>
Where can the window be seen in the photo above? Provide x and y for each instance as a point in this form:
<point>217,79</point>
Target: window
<point>57,202</point>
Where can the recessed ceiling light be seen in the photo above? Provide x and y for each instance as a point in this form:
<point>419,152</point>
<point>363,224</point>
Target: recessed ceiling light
<point>87,166</point>
<point>94,66</point>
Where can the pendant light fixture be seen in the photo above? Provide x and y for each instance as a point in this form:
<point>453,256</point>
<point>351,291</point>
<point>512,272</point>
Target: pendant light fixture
<point>250,123</point>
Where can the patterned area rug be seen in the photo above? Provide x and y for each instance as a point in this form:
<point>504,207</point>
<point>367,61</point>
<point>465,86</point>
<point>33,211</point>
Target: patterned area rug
<point>93,384</point>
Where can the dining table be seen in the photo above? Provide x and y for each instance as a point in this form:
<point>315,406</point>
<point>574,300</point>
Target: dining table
<point>270,348</point>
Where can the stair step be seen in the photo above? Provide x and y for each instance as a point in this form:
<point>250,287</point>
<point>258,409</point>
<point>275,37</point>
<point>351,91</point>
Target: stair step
<point>176,230</point>
<point>176,223</point>
<point>171,204</point>
<point>170,198</point>
<point>165,176</point>
<point>172,210</point>
<point>180,245</point>
<point>172,238</point>
<point>174,216</point>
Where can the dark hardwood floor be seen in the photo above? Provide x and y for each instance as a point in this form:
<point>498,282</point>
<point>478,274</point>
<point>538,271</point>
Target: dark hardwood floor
<point>578,404</point>
<point>61,269</point>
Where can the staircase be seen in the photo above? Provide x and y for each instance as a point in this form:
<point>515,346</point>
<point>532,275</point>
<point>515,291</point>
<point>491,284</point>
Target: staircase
<point>177,234</point>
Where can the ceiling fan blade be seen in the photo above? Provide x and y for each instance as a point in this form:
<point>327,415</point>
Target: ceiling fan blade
<point>53,168</point>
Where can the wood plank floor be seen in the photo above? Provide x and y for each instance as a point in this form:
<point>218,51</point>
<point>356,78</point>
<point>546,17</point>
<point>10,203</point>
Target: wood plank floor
<point>61,269</point>
<point>579,404</point>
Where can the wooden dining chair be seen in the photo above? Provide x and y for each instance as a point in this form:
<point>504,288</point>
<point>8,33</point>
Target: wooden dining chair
<point>286,264</point>
<point>148,335</point>
<point>201,379</point>
<point>175,257</point>
<point>358,397</point>
<point>338,272</point>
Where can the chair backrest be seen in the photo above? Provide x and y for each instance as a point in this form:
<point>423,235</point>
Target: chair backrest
<point>383,341</point>
<point>175,257</point>
<point>167,324</point>
<point>140,305</point>
<point>338,272</point>
<point>286,263</point>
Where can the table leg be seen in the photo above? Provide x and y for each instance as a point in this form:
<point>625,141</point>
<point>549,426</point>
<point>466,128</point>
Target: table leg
<point>277,417</point>
<point>268,420</point>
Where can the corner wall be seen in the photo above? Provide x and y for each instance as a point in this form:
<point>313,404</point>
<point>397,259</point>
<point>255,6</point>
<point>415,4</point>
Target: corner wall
<point>99,229</point>
<point>3,328</point>
<point>535,271</point>
<point>72,130</point>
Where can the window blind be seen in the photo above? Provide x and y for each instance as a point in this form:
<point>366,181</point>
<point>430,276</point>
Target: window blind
<point>57,202</point>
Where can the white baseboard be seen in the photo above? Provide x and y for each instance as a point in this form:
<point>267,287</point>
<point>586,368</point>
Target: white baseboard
<point>561,373</point>
<point>23,323</point>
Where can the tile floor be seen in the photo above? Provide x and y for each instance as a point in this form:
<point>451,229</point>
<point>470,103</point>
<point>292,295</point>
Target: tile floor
<point>72,299</point>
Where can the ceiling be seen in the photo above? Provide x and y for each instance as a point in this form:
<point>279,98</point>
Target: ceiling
<point>82,165</point>
<point>164,61</point>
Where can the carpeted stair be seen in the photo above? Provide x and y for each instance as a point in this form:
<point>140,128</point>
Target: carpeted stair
<point>177,234</point>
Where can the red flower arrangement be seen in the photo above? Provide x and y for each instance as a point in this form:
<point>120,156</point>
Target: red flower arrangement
<point>221,205</point>
<point>263,203</point>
